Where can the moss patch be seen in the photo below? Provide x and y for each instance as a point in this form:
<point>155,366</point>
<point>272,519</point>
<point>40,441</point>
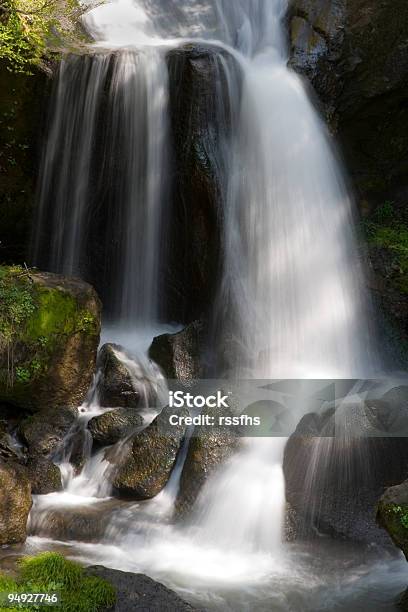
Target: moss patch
<point>394,518</point>
<point>36,322</point>
<point>51,572</point>
<point>385,231</point>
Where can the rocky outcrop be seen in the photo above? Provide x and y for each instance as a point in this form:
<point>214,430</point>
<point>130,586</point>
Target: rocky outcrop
<point>146,463</point>
<point>49,335</point>
<point>202,119</point>
<point>209,447</point>
<point>23,100</point>
<point>355,55</point>
<point>114,425</point>
<point>139,593</point>
<point>15,503</point>
<point>115,386</point>
<point>180,356</point>
<point>334,454</point>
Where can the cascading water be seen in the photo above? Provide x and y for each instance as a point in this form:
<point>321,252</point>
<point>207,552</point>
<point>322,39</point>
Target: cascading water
<point>289,298</point>
<point>103,179</point>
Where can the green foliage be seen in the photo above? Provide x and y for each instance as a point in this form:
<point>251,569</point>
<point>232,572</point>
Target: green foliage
<point>51,572</point>
<point>402,513</point>
<point>393,238</point>
<point>16,299</point>
<point>385,231</point>
<point>23,374</point>
<point>28,27</point>
<point>384,212</point>
<point>50,567</point>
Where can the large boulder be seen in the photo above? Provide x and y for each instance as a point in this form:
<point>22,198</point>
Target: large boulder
<point>204,88</point>
<point>338,452</point>
<point>180,356</point>
<point>49,335</point>
<point>139,593</point>
<point>44,431</point>
<point>15,503</point>
<point>114,425</point>
<point>209,447</point>
<point>145,465</point>
<point>116,386</point>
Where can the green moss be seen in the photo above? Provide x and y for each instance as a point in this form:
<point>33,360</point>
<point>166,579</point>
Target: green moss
<point>401,513</point>
<point>51,572</point>
<point>56,313</point>
<point>16,299</point>
<point>384,230</point>
<point>394,518</point>
<point>35,323</point>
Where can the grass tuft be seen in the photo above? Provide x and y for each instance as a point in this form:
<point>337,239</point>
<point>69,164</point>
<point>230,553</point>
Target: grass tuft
<point>50,572</point>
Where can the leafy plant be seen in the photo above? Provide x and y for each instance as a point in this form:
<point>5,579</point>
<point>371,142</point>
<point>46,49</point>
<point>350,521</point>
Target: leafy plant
<point>23,374</point>
<point>402,514</point>
<point>17,305</point>
<point>29,27</point>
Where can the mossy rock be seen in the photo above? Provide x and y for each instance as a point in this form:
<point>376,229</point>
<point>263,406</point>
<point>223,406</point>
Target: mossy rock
<point>392,515</point>
<point>49,335</point>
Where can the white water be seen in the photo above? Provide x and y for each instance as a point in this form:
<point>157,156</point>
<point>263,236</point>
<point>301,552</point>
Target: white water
<point>107,151</point>
<point>290,295</point>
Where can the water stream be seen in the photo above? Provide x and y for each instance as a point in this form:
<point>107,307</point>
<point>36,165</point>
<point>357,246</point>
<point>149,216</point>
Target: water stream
<point>290,296</point>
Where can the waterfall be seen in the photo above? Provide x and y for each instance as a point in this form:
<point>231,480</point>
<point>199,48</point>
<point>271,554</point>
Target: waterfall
<point>102,195</point>
<point>290,302</point>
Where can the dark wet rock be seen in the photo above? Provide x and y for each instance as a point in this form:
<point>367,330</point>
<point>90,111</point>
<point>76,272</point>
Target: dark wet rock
<point>44,476</point>
<point>114,425</point>
<point>84,524</point>
<point>180,355</point>
<point>44,431</point>
<point>139,593</point>
<point>15,503</point>
<point>116,388</point>
<point>209,447</point>
<point>146,463</point>
<point>334,454</point>
<point>10,447</point>
<point>202,120</point>
<point>54,348</point>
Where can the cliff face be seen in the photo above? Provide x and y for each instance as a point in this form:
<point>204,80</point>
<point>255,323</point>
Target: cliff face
<point>23,101</point>
<point>355,55</point>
